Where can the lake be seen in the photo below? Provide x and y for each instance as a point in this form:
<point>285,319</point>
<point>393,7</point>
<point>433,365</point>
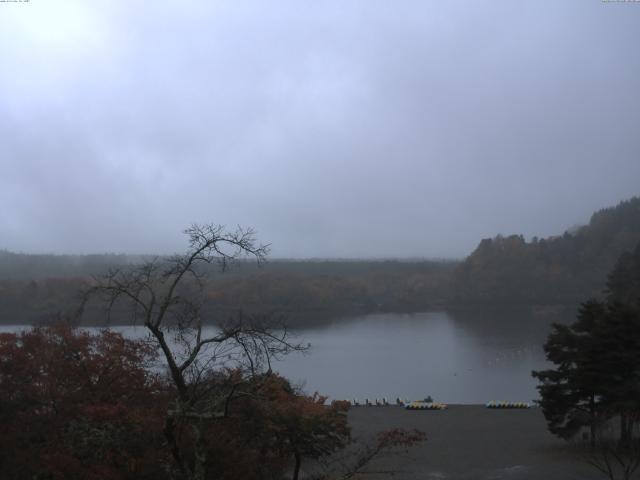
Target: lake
<point>455,358</point>
<point>414,355</point>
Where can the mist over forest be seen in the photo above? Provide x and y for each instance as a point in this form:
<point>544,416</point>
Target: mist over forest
<point>560,271</point>
<point>284,240</point>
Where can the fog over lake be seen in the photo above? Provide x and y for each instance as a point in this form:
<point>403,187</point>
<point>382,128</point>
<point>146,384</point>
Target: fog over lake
<point>455,358</point>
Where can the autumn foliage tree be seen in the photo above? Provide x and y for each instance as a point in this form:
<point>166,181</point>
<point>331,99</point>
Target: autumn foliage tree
<point>271,428</point>
<point>302,425</point>
<point>166,296</point>
<point>78,406</point>
<point>193,401</point>
<point>230,416</point>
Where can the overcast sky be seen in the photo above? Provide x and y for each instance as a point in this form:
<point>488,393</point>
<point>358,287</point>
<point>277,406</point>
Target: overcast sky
<point>336,129</point>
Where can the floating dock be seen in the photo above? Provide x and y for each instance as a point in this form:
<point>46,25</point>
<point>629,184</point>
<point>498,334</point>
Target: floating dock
<point>494,404</point>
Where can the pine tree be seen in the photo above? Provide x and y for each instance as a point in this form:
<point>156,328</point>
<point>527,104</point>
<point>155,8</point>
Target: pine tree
<point>623,284</point>
<point>597,371</point>
<point>571,393</point>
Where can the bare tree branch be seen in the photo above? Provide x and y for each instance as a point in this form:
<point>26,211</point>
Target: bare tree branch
<point>168,294</point>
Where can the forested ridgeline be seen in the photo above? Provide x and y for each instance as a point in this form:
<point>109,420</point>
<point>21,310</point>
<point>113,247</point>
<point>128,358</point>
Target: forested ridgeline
<point>302,291</point>
<point>505,270</point>
<point>556,270</point>
<point>24,266</point>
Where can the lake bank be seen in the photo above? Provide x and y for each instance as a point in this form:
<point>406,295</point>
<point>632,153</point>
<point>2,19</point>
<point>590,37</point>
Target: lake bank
<point>471,442</point>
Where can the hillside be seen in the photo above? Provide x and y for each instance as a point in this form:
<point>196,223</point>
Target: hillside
<point>505,270</point>
<point>32,287</point>
<point>557,270</point>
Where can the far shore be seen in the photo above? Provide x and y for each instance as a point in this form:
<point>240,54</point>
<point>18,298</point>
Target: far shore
<point>493,315</point>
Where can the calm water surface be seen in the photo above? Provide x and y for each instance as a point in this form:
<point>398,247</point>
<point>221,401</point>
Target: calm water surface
<point>453,358</point>
<point>412,356</point>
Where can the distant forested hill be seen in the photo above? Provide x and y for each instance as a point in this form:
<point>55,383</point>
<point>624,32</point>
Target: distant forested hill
<point>561,269</point>
<point>316,289</point>
<point>33,267</point>
<point>33,287</point>
<point>501,271</point>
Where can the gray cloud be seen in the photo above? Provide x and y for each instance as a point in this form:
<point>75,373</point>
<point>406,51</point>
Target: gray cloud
<point>334,128</point>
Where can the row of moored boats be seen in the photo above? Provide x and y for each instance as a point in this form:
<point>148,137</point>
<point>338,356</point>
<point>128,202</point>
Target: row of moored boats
<point>429,404</point>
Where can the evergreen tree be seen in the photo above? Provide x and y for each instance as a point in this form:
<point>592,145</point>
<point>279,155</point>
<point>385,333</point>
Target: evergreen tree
<point>623,284</point>
<point>597,366</point>
<point>618,337</point>
<point>572,392</point>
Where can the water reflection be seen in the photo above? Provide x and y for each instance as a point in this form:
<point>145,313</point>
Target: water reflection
<point>459,357</point>
<point>452,357</point>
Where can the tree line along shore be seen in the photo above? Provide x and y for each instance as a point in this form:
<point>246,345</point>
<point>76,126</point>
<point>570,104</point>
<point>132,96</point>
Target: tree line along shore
<point>81,405</point>
<point>505,270</point>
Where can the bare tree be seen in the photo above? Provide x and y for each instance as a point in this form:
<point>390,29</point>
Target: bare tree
<point>356,460</point>
<point>166,296</point>
<point>614,458</point>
